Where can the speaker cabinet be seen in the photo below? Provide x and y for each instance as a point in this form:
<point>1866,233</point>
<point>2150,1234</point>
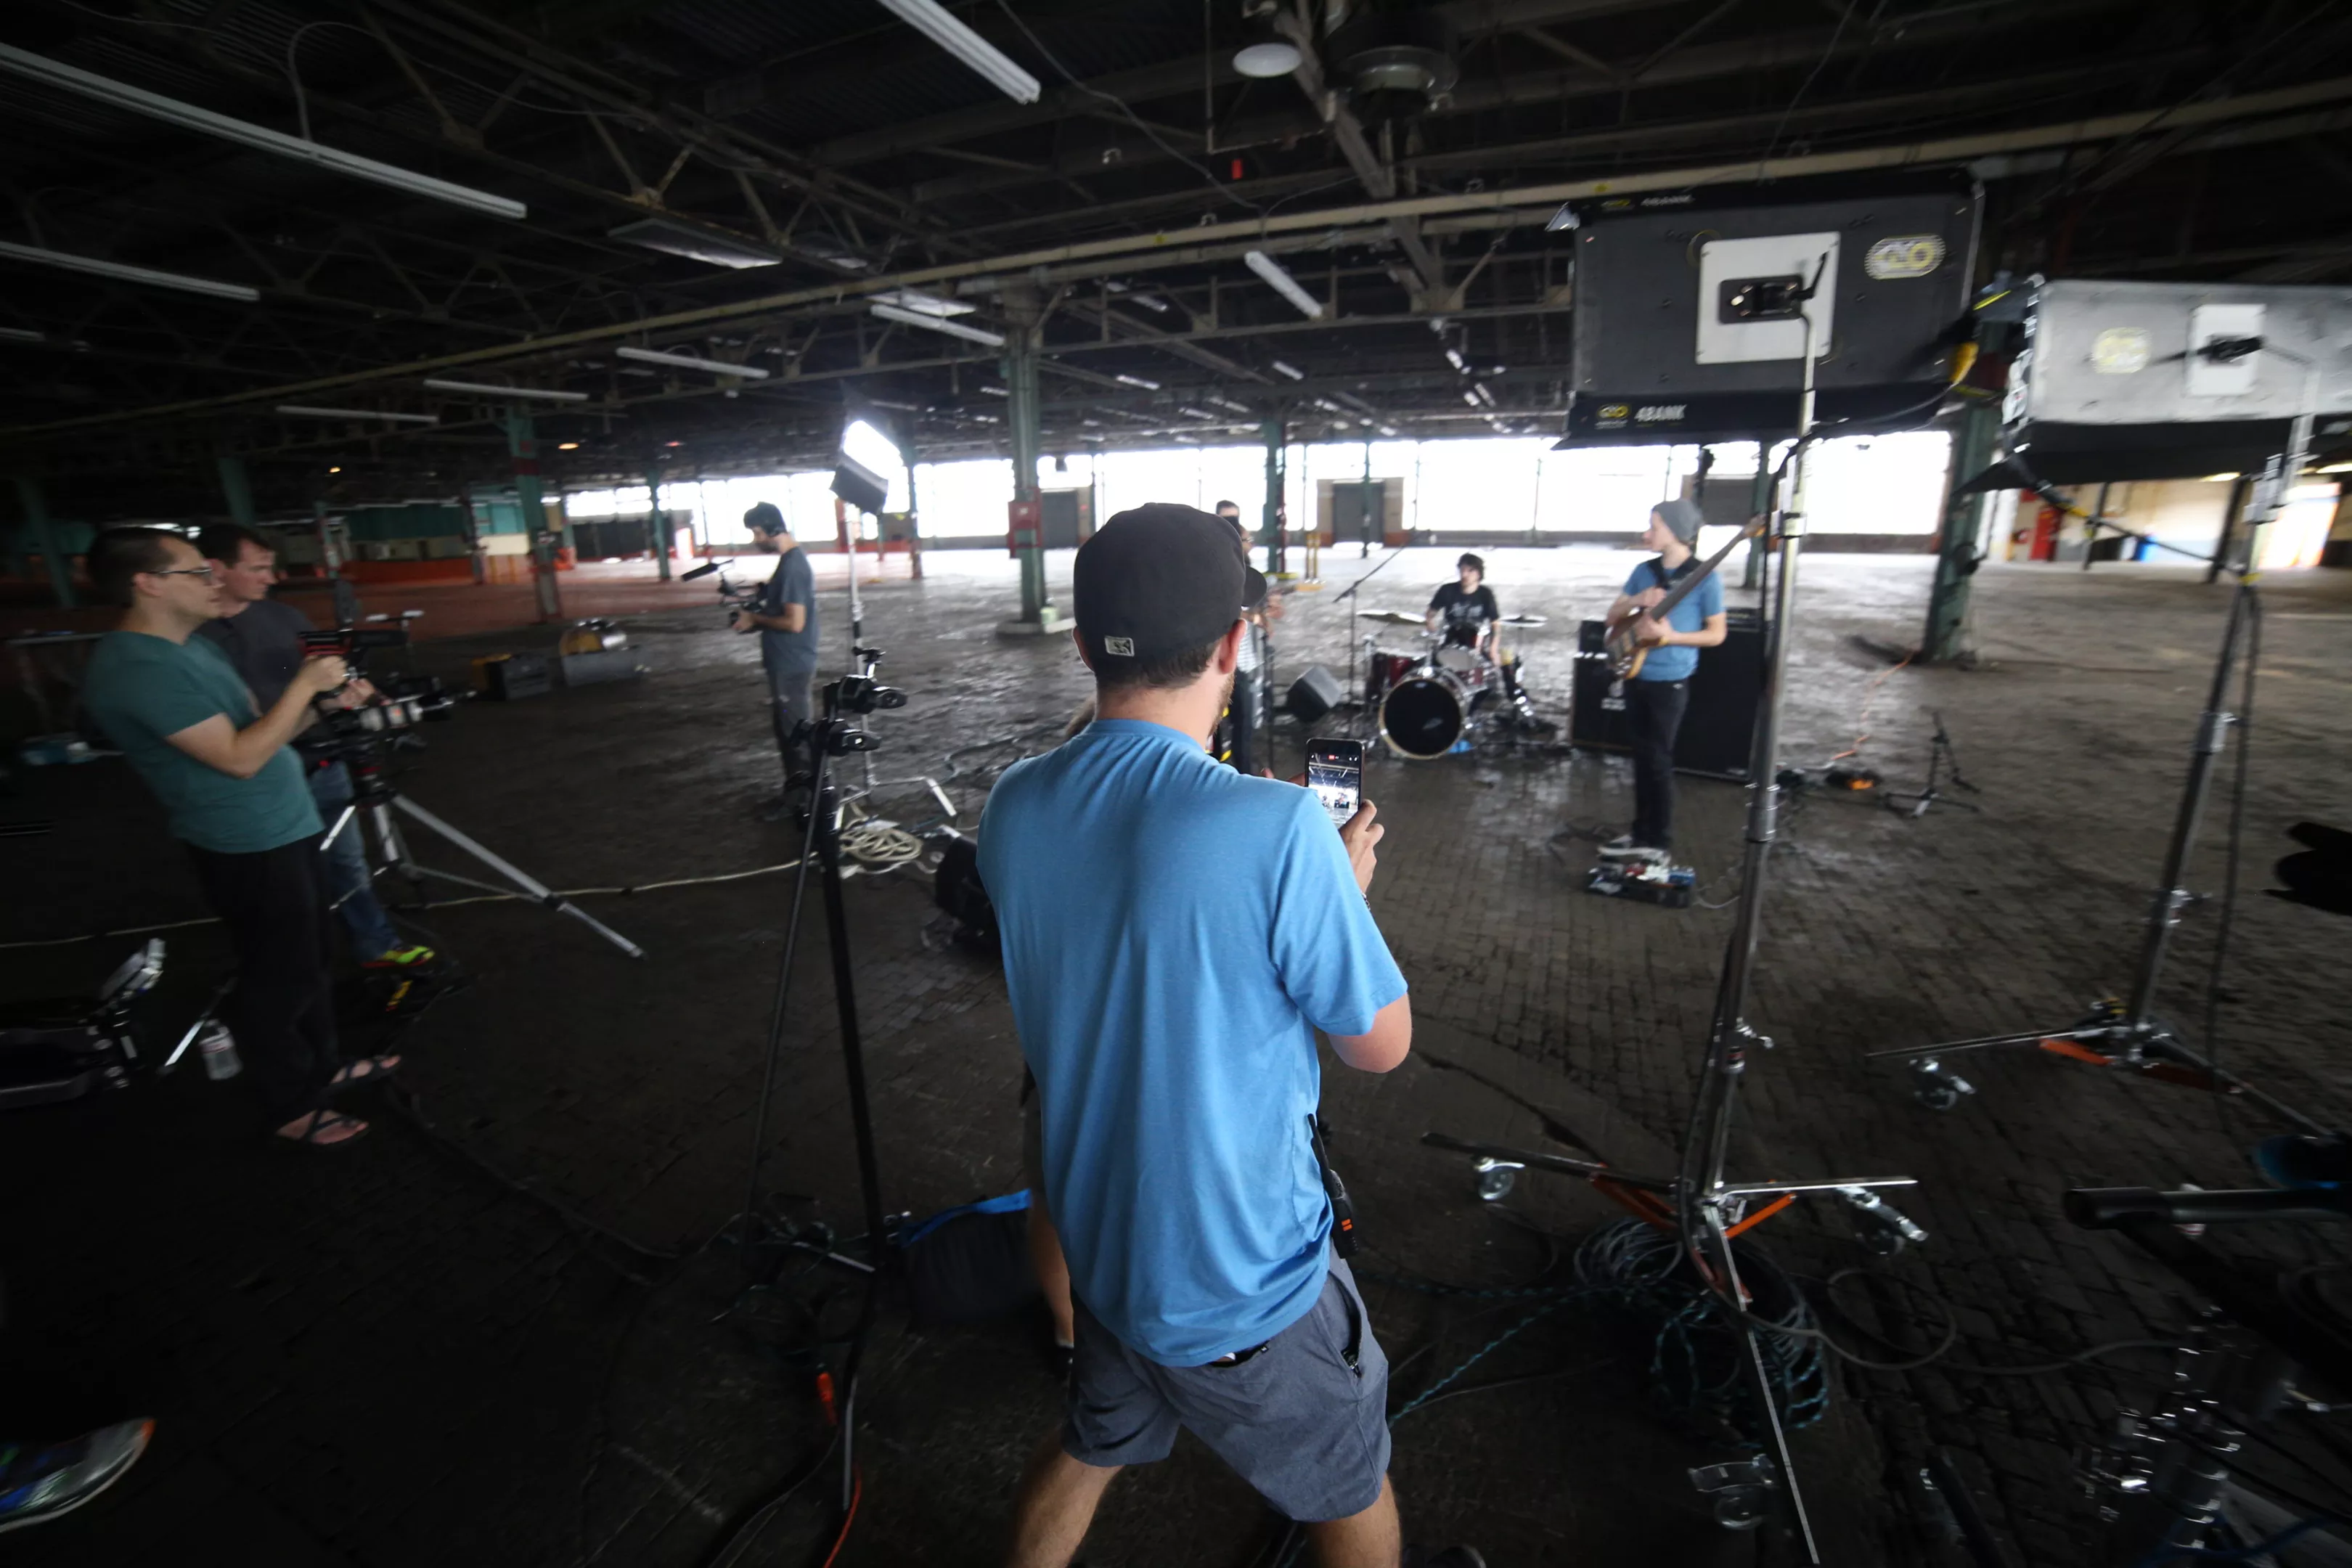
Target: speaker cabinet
<point>1718,727</point>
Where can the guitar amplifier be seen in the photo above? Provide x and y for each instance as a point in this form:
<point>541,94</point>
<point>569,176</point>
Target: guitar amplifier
<point>1718,727</point>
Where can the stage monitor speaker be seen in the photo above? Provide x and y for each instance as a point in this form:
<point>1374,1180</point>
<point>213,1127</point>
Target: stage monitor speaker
<point>1314,694</point>
<point>2169,381</point>
<point>1687,327</point>
<point>1718,727</point>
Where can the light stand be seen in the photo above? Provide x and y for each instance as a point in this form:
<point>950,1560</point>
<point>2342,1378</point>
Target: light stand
<point>834,735</point>
<point>2125,1034</point>
<point>1704,1208</point>
<point>868,663</point>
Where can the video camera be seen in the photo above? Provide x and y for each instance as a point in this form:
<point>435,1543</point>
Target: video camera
<point>736,597</point>
<point>357,737</point>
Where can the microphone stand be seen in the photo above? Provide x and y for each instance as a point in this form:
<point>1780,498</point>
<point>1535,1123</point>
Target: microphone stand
<point>1357,696</point>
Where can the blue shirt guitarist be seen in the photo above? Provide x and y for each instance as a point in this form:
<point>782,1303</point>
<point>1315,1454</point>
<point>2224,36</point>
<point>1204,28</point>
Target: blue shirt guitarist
<point>1659,689</point>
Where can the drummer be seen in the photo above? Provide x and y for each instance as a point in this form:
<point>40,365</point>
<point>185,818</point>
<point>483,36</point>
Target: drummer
<point>1465,611</point>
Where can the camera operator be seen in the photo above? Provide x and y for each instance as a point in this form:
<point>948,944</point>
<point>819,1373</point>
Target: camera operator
<point>263,639</point>
<point>785,615</point>
<point>1174,933</point>
<point>169,700</point>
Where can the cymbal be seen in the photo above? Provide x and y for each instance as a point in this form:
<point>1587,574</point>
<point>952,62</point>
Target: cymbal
<point>1392,617</point>
<point>1523,620</point>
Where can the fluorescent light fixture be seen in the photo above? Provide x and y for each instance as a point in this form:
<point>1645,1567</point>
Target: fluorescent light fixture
<point>1389,431</point>
<point>985,60</point>
<point>1325,404</point>
<point>689,361</point>
<point>304,411</point>
<point>993,390</point>
<point>2218,478</point>
<point>1136,381</point>
<point>1292,371</point>
<point>2335,469</point>
<point>1454,357</point>
<point>1268,60</point>
<point>693,242</point>
<point>485,389</point>
<point>188,117</point>
<point>22,335</point>
<point>123,272</point>
<point>1484,396</point>
<point>567,446</point>
<point>939,324</point>
<point>1471,398</point>
<point>928,304</point>
<point>1284,284</point>
<point>1190,413</point>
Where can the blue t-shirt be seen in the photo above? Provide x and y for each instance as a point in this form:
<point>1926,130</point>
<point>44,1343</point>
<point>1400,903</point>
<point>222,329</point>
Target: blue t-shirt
<point>1690,615</point>
<point>794,582</point>
<point>143,689</point>
<point>1174,933</point>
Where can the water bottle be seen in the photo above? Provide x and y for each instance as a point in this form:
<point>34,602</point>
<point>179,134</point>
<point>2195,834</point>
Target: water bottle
<point>219,1052</point>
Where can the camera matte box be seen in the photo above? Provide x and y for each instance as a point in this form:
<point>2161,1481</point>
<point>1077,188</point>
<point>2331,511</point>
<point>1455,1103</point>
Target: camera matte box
<point>1680,333</point>
<point>2111,384</point>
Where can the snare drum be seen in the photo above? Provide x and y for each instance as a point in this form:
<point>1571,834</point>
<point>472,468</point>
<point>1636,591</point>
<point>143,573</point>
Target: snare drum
<point>1466,664</point>
<point>1425,714</point>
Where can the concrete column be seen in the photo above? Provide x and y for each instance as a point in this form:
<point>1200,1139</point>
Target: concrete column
<point>44,530</point>
<point>914,510</point>
<point>237,488</point>
<point>1270,529</point>
<point>522,446</point>
<point>472,527</point>
<point>657,525</point>
<point>1037,614</point>
<point>1956,546</point>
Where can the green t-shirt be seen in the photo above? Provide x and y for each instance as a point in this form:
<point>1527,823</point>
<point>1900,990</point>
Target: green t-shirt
<point>140,689</point>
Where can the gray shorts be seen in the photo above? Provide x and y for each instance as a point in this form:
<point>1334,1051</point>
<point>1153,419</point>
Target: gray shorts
<point>1295,1420</point>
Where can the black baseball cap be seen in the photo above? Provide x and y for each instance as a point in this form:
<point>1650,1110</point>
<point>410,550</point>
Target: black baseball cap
<point>1158,580</point>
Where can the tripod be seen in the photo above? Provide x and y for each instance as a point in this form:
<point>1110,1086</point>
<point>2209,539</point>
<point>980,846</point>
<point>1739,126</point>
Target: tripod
<point>379,801</point>
<point>2125,1034</point>
<point>1703,1208</point>
<point>1941,757</point>
<point>832,736</point>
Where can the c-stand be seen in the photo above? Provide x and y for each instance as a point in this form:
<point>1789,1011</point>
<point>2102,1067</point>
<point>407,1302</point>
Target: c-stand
<point>1703,1208</point>
<point>766,1238</point>
<point>2125,1034</point>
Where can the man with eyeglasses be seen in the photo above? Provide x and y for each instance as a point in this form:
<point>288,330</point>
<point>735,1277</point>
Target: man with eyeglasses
<point>173,705</point>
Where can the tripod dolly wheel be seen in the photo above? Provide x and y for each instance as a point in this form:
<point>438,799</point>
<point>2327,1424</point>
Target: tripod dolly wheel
<point>1934,1087</point>
<point>1497,1178</point>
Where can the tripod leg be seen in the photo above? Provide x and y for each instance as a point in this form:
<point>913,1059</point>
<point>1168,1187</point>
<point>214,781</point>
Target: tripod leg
<point>529,884</point>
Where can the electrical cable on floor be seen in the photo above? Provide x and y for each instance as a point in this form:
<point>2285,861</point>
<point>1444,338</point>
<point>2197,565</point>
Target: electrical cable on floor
<point>622,891</point>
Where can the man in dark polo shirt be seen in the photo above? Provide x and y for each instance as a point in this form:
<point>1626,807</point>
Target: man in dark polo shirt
<point>263,639</point>
<point>785,615</point>
<point>169,701</point>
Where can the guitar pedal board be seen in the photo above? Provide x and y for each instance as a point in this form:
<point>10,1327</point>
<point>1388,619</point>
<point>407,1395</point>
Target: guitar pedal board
<point>1669,886</point>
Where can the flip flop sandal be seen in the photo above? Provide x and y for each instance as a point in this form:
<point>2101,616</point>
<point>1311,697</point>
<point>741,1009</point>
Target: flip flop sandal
<point>325,1121</point>
<point>364,1069</point>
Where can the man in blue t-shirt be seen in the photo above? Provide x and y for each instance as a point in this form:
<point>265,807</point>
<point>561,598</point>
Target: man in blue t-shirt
<point>1660,690</point>
<point>173,704</point>
<point>785,615</point>
<point>1174,933</point>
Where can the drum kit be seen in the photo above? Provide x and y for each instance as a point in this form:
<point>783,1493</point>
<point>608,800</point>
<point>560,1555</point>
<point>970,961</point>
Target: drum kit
<point>1433,699</point>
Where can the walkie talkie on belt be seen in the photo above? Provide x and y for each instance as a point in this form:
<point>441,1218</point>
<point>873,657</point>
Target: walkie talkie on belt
<point>1343,1212</point>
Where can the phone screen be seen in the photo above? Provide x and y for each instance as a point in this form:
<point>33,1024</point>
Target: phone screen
<point>1335,772</point>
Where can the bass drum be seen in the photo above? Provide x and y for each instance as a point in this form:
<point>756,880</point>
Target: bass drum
<point>1424,715</point>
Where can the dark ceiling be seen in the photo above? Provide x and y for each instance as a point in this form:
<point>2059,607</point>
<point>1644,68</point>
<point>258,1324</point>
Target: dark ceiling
<point>833,136</point>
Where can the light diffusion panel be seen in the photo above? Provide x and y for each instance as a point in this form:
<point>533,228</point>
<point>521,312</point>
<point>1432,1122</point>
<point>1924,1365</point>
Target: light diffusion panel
<point>1687,327</point>
<point>2113,384</point>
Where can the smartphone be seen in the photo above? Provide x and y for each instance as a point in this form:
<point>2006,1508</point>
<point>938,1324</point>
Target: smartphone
<point>1335,772</point>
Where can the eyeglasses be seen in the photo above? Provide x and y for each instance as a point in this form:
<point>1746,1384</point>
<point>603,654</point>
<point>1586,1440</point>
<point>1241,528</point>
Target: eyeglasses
<point>181,572</point>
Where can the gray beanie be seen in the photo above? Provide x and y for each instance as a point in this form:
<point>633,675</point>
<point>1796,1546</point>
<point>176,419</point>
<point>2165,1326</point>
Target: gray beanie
<point>1682,518</point>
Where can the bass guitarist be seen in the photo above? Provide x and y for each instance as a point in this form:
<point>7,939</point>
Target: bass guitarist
<point>1659,688</point>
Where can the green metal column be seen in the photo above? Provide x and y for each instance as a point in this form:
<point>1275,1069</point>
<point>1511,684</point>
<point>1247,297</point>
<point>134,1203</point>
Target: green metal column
<point>44,531</point>
<point>1021,379</point>
<point>236,488</point>
<point>522,446</point>
<point>1956,547</point>
<point>914,510</point>
<point>657,526</point>
<point>1277,547</point>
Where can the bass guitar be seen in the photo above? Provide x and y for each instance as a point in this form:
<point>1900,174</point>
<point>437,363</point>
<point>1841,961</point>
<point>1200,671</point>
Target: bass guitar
<point>1625,646</point>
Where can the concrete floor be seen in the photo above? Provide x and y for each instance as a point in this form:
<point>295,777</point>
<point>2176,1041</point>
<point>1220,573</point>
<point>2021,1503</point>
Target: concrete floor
<point>390,1358</point>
